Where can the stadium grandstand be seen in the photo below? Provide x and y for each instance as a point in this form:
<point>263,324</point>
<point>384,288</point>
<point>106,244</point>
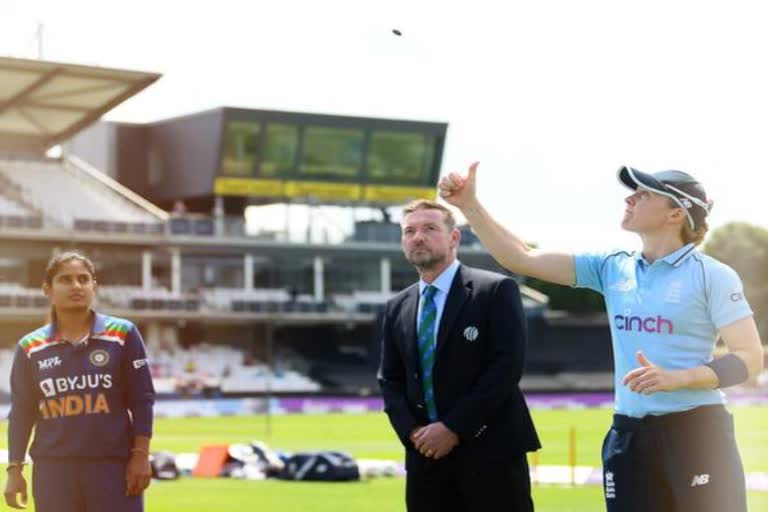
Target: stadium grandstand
<point>161,209</point>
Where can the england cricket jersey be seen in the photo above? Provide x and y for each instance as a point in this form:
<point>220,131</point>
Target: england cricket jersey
<point>84,400</point>
<point>671,310</point>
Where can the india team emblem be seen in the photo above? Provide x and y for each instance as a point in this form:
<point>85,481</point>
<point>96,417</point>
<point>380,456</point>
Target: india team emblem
<point>99,357</point>
<point>471,333</point>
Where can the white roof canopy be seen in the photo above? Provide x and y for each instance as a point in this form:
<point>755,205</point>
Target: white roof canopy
<point>44,103</point>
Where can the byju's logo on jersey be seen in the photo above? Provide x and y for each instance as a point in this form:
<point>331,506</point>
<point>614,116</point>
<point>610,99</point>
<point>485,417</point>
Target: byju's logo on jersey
<point>46,386</point>
<point>76,395</point>
<point>47,364</point>
<point>656,324</point>
<point>51,387</point>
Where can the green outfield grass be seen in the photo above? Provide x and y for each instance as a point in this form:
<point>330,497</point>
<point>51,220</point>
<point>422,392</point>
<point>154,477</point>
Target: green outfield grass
<point>369,436</point>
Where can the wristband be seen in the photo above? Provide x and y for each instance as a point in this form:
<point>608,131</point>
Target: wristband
<point>730,370</point>
<point>12,465</point>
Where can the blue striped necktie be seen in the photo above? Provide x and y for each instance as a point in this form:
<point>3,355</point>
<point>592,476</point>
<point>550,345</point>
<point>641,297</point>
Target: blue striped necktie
<point>426,340</point>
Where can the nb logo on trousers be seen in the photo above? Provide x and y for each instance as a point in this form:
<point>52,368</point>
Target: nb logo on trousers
<point>700,480</point>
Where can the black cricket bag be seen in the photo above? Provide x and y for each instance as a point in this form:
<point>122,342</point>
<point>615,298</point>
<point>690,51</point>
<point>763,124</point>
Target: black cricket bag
<point>320,467</point>
<point>164,466</point>
<point>254,461</point>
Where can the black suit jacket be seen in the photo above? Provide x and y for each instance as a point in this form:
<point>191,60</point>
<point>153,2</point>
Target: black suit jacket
<point>475,382</point>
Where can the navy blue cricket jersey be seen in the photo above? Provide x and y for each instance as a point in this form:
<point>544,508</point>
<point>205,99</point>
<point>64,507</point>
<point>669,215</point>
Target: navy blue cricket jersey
<point>84,400</point>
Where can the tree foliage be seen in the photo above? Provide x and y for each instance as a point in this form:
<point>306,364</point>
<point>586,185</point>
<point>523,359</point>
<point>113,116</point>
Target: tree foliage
<point>744,247</point>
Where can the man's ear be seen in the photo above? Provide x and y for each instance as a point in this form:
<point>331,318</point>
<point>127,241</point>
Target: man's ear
<point>456,237</point>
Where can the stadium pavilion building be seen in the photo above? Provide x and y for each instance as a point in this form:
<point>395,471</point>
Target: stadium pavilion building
<point>160,208</point>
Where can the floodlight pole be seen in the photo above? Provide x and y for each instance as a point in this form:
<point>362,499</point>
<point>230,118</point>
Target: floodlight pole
<point>39,37</point>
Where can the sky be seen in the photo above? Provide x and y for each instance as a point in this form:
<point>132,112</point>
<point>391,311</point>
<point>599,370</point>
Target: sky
<point>550,96</point>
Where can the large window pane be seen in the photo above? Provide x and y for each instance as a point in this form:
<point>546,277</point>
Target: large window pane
<point>241,143</point>
<point>211,272</point>
<point>332,153</point>
<point>397,158</point>
<point>295,274</point>
<point>350,275</point>
<point>280,146</point>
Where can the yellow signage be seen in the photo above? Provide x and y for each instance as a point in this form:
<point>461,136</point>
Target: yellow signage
<point>329,191</point>
<point>395,194</point>
<point>247,187</point>
<point>323,190</point>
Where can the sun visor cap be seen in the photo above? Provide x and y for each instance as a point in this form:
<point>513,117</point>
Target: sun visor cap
<point>680,186</point>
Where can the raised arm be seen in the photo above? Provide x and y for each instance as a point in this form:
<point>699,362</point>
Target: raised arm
<point>506,248</point>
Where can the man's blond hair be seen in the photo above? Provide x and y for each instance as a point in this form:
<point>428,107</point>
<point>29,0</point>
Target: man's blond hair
<point>426,204</point>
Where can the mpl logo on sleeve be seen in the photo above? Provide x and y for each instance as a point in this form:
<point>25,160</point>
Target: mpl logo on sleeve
<point>47,364</point>
<point>471,333</point>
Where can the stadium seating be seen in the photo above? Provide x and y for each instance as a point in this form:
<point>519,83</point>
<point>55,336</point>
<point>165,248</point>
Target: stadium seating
<point>191,225</point>
<point>207,368</point>
<point>74,200</point>
<point>16,296</point>
<point>211,370</point>
<point>260,300</point>
<point>14,212</point>
<point>8,207</point>
<point>135,297</point>
<point>362,301</point>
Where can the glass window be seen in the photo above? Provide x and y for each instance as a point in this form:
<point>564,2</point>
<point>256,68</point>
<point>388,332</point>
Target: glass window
<point>400,158</point>
<point>241,144</point>
<point>348,276</point>
<point>402,275</point>
<point>334,153</point>
<point>211,272</point>
<point>13,270</point>
<point>281,141</point>
<point>295,274</point>
<point>156,171</point>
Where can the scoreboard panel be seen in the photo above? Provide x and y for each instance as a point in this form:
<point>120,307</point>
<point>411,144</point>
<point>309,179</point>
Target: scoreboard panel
<point>332,159</point>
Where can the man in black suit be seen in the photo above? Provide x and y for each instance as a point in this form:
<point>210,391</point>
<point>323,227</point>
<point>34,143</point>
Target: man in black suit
<point>453,349</point>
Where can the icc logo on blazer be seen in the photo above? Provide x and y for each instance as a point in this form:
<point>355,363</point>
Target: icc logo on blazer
<point>471,333</point>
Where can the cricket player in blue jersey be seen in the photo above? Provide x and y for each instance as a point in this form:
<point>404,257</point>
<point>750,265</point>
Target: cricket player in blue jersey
<point>83,383</point>
<point>671,447</point>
